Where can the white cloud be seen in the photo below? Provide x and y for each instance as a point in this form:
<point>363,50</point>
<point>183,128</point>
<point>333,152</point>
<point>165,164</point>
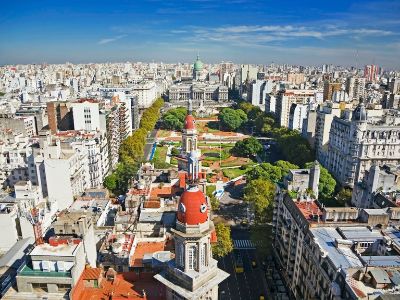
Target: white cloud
<point>269,33</point>
<point>110,40</point>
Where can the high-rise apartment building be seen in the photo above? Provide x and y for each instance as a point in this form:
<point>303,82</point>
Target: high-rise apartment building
<point>371,73</point>
<point>284,101</point>
<point>330,88</point>
<point>355,87</point>
<point>59,116</point>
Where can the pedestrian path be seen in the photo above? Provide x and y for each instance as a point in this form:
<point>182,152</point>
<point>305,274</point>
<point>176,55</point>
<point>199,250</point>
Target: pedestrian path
<point>243,244</point>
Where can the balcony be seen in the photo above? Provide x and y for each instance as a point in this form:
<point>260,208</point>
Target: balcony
<point>28,271</point>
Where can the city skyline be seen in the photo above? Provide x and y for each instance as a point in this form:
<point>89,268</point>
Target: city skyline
<point>342,33</point>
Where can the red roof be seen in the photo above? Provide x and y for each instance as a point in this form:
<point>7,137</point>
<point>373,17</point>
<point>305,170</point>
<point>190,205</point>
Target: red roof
<point>148,247</point>
<point>190,122</point>
<point>193,207</point>
<point>91,273</point>
<point>214,238</point>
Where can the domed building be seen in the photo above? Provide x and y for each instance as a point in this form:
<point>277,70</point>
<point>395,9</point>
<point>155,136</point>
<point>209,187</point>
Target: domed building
<point>197,68</point>
<point>194,274</point>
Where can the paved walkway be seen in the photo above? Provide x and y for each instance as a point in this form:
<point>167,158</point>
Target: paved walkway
<point>168,156</point>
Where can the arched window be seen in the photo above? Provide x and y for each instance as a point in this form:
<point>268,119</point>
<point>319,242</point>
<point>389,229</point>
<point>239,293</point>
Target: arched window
<point>203,254</point>
<point>181,255</point>
<point>192,257</point>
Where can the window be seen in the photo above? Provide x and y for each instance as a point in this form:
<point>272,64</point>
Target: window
<point>45,266</point>
<point>192,257</point>
<point>60,266</point>
<point>203,252</point>
<point>63,287</point>
<point>39,287</point>
<point>181,255</point>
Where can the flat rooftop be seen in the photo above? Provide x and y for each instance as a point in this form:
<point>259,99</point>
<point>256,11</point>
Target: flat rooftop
<point>145,248</point>
<point>341,257</point>
<point>125,286</point>
<point>309,209</point>
<point>64,250</point>
<point>360,233</point>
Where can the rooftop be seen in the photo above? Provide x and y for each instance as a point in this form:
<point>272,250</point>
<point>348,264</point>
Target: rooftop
<point>124,286</point>
<point>360,233</point>
<point>145,248</point>
<point>309,209</point>
<point>29,271</point>
<point>341,257</point>
<point>64,250</point>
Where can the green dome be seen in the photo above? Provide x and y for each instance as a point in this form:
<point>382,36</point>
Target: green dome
<point>198,65</point>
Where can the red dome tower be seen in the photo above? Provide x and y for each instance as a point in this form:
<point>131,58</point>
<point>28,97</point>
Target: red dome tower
<point>193,207</point>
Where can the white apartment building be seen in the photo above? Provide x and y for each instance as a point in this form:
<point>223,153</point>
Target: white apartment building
<point>258,92</point>
<point>378,181</point>
<point>52,270</point>
<point>94,146</point>
<point>298,113</point>
<point>14,149</point>
<point>286,98</point>
<point>86,114</point>
<point>355,87</point>
<point>325,114</point>
<point>146,92</point>
<point>356,144</point>
<point>8,217</point>
<point>66,171</point>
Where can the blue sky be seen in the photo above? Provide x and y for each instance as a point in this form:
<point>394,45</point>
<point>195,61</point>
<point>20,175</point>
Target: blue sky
<point>296,32</point>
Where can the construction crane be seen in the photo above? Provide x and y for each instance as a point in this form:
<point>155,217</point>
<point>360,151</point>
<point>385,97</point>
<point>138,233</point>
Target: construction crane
<point>34,218</point>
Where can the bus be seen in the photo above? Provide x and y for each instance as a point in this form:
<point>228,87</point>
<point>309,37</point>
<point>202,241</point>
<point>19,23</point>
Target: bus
<point>238,261</point>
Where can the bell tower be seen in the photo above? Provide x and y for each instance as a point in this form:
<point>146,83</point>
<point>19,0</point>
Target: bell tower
<point>189,133</point>
<point>194,273</point>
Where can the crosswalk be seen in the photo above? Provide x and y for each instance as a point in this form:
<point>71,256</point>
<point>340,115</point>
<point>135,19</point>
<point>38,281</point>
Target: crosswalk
<point>243,244</point>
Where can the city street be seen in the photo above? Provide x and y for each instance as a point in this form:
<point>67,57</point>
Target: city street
<point>149,143</point>
<point>250,284</point>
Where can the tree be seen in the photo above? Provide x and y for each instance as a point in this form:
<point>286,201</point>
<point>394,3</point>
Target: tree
<point>344,196</point>
<point>110,182</point>
<point>246,106</point>
<point>254,113</point>
<point>224,242</point>
<point>264,124</point>
<point>231,119</point>
<point>174,119</point>
<point>265,171</point>
<point>260,193</point>
<point>175,151</point>
<point>247,147</point>
<point>214,202</point>
<point>294,147</point>
<point>285,166</point>
<point>326,182</point>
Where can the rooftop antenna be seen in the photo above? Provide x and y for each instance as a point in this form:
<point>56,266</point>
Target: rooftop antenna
<point>356,58</point>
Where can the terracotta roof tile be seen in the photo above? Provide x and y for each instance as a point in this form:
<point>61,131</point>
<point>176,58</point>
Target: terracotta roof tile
<point>91,273</point>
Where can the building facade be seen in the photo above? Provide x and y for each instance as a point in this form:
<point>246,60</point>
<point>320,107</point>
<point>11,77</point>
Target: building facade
<point>356,144</point>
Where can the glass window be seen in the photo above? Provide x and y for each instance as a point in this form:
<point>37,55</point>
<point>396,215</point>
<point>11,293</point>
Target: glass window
<point>203,252</point>
<point>192,257</point>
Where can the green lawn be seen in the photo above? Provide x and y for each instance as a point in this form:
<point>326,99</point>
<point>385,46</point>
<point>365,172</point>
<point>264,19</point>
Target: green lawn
<point>223,145</point>
<point>233,173</point>
<point>210,189</point>
<point>160,154</point>
<point>213,154</point>
<point>174,161</point>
